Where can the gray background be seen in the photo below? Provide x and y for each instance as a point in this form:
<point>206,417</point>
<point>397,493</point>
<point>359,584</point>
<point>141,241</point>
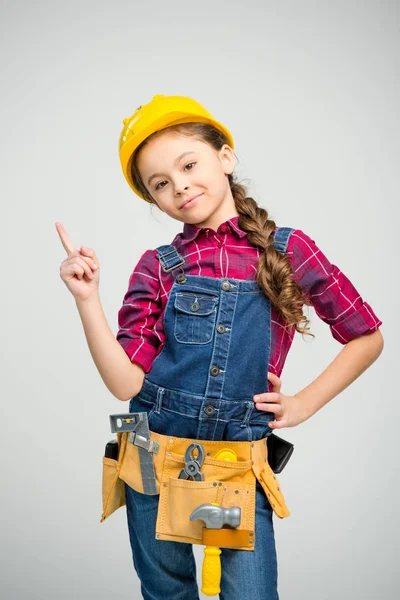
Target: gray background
<point>310,91</point>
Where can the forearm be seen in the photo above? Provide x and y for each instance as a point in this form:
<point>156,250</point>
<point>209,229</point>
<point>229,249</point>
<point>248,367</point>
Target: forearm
<point>355,357</point>
<point>120,375</point>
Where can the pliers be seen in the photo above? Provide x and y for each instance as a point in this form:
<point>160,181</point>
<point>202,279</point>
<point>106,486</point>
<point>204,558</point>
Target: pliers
<point>193,465</point>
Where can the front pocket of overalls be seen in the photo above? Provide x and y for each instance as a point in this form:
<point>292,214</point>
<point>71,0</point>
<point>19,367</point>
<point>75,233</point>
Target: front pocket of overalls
<point>195,315</point>
<point>113,489</point>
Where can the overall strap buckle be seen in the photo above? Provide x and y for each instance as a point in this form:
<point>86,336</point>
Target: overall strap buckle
<point>169,257</point>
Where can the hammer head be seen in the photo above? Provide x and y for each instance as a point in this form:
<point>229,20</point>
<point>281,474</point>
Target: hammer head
<point>217,517</point>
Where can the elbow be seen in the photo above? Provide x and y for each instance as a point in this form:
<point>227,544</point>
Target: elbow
<point>125,396</point>
<point>124,399</point>
<point>377,338</point>
<point>374,344</point>
<point>121,396</point>
<point>134,383</point>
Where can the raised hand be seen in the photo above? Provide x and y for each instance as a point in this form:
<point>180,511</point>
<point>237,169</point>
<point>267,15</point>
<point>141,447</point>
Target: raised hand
<point>80,270</point>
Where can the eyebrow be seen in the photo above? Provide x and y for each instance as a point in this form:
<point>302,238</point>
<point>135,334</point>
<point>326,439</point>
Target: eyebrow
<point>176,160</point>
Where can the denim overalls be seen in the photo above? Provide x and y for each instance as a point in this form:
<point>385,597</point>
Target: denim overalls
<point>201,386</point>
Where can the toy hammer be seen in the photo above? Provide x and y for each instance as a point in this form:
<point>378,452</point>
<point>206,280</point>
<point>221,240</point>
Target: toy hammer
<point>215,516</point>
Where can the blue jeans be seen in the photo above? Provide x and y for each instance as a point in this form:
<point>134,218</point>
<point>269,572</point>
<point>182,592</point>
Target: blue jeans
<point>167,569</point>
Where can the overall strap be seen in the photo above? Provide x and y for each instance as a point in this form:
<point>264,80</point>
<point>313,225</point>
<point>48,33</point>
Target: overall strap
<point>281,238</point>
<point>170,258</point>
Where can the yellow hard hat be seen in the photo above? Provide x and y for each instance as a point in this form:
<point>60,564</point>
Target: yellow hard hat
<point>160,113</point>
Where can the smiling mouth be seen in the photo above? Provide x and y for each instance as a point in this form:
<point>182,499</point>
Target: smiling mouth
<point>190,201</point>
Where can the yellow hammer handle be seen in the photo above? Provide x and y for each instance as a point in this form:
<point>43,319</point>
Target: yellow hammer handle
<point>211,571</point>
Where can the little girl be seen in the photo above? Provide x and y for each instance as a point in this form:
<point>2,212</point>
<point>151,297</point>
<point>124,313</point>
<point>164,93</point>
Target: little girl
<point>206,325</point>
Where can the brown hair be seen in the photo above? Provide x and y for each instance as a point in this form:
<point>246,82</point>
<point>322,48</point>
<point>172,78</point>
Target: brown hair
<point>274,270</point>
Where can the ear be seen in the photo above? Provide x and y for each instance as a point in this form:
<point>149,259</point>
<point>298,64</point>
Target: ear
<point>227,157</point>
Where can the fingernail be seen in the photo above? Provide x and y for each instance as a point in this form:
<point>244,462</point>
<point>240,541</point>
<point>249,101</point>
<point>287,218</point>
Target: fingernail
<point>94,266</point>
<point>257,398</point>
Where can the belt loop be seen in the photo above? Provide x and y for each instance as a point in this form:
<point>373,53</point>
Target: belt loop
<point>160,393</point>
<point>246,418</point>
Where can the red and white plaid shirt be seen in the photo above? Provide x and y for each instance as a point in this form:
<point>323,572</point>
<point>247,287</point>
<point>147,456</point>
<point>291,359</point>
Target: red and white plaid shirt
<point>227,253</point>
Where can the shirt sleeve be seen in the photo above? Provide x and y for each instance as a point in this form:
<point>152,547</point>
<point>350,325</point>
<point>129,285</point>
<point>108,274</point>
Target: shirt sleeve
<point>139,313</point>
<point>334,298</point>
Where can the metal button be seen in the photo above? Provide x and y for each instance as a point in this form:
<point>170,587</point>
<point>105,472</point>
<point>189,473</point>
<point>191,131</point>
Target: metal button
<point>221,328</point>
<point>209,409</point>
<point>195,306</point>
<point>214,370</point>
<point>226,286</point>
<point>181,278</point>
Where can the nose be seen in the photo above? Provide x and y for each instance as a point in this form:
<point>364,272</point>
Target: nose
<point>180,186</point>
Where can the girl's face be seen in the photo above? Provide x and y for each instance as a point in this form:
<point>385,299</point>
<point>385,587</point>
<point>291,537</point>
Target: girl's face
<point>171,178</point>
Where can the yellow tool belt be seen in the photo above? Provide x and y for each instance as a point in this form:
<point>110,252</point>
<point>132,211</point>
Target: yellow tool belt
<point>226,483</point>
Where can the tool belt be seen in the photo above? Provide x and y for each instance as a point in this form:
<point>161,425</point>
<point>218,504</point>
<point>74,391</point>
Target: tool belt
<point>225,483</point>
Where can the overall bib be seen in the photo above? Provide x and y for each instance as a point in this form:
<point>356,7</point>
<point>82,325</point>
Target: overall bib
<point>201,386</point>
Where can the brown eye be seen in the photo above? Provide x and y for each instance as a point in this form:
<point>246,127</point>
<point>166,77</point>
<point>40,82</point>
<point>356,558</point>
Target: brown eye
<point>159,184</point>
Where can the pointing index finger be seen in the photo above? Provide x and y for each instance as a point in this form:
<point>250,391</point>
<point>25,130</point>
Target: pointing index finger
<point>65,240</point>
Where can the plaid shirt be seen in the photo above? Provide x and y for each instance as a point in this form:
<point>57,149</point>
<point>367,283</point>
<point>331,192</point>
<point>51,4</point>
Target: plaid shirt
<point>227,253</point>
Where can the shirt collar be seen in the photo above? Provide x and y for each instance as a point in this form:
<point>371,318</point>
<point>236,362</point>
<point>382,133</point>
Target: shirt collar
<point>190,232</point>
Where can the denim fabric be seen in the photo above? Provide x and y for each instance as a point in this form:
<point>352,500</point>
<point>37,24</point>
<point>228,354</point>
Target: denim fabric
<point>201,386</point>
<point>167,570</point>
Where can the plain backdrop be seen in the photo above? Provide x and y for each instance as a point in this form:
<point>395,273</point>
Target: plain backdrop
<point>310,92</point>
